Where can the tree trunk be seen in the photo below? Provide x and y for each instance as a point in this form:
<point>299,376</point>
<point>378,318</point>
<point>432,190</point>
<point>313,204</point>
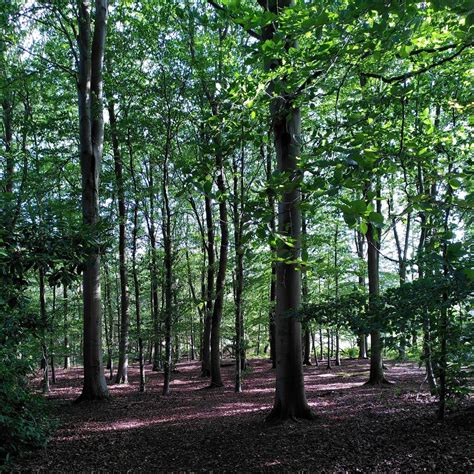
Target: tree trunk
<point>122,368</point>
<point>376,376</point>
<point>8,138</point>
<point>315,353</point>
<point>239,268</point>
<point>338,348</point>
<point>336,285</point>
<point>216,380</point>
<point>321,344</point>
<point>206,336</point>
<point>304,287</point>
<point>67,356</point>
<point>362,346</point>
<point>328,333</point>
<point>91,142</point>
<point>136,281</point>
<point>108,323</point>
<point>44,325</point>
<point>290,397</point>
<point>271,311</point>
<point>51,340</point>
<point>168,271</point>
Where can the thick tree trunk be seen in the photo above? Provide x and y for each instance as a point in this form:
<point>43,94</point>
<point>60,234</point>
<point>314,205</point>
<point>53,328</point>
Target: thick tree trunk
<point>91,141</point>
<point>122,368</point>
<point>290,397</point>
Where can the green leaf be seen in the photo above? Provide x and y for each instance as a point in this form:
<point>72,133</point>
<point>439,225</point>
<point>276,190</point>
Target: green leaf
<point>375,219</point>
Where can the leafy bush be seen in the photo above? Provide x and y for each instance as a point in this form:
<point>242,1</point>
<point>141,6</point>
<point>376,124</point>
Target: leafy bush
<point>351,352</point>
<point>23,422</point>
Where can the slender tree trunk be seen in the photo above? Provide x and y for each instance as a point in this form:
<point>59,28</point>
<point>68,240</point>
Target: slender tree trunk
<point>361,339</point>
<point>136,281</point>
<point>321,344</point>
<point>108,324</point>
<point>239,269</point>
<point>136,285</point>
<point>376,376</point>
<point>336,284</point>
<point>168,271</point>
<point>67,356</point>
<point>315,353</point>
<point>44,325</point>
<point>8,138</point>
<point>272,302</point>
<point>338,348</point>
<point>155,313</point>
<point>122,368</point>
<point>328,333</point>
<point>211,262</point>
<point>427,344</point>
<point>91,53</point>
<point>304,288</point>
<point>51,340</point>
<point>216,380</point>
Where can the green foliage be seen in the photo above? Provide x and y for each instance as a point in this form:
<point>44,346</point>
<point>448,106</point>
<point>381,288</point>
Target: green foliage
<point>24,423</point>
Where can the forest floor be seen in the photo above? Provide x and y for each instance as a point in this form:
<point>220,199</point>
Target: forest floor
<point>357,429</point>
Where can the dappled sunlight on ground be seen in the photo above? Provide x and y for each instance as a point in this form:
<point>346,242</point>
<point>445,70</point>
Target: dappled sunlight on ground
<point>194,428</point>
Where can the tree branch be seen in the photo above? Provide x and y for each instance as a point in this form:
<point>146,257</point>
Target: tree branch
<point>220,8</point>
<point>408,75</point>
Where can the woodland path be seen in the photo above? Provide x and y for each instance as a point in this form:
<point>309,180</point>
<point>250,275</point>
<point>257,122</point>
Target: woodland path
<point>358,428</point>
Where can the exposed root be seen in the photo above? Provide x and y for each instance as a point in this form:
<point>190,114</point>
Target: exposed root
<point>279,417</point>
<point>91,398</point>
<point>377,383</point>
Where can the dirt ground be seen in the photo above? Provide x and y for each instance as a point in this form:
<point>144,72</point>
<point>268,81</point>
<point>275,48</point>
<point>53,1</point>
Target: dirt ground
<point>358,428</point>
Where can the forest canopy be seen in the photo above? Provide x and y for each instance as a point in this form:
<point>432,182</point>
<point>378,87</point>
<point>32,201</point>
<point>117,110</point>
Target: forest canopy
<point>228,180</point>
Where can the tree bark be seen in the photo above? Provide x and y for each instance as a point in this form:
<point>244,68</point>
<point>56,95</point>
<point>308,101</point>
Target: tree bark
<point>216,379</point>
<point>239,268</point>
<point>44,325</point>
<point>211,262</point>
<point>8,138</point>
<point>122,368</point>
<point>290,398</point>
<point>271,311</point>
<point>168,270</point>
<point>67,356</point>
<point>91,137</point>
<point>376,376</point>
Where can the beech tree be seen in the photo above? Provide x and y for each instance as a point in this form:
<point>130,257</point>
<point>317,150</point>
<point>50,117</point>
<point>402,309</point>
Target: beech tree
<point>91,44</point>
